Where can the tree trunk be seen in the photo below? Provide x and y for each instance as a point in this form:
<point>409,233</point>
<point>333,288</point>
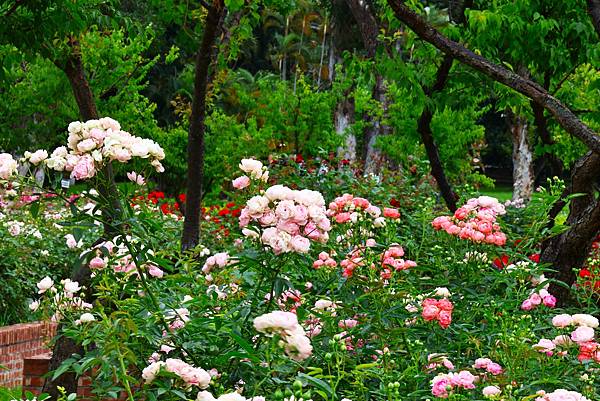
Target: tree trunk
<point>374,158</point>
<point>369,30</point>
<point>424,129</point>
<point>65,347</point>
<point>195,149</point>
<point>565,117</point>
<point>522,158</point>
<point>343,119</point>
<point>569,250</point>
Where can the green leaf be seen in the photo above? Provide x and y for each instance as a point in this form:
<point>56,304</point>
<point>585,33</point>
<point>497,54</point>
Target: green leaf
<point>34,209</point>
<point>63,368</point>
<point>234,5</point>
<point>318,383</point>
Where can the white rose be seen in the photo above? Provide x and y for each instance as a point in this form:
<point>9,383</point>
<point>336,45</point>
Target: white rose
<point>45,285</point>
<point>252,167</point>
<point>585,320</point>
<point>38,156</point>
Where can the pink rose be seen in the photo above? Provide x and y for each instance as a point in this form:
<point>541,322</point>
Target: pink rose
<point>490,391</point>
<point>582,334</point>
<point>549,301</point>
<point>342,217</point>
<point>445,318</point>
<point>535,299</point>
<point>84,168</point>
<point>391,213</point>
<point>241,182</point>
<point>97,263</point>
<point>155,271</point>
<point>527,305</point>
<point>464,379</point>
<point>289,227</point>
<point>300,244</point>
<point>430,312</point>
<point>494,368</point>
<point>461,213</point>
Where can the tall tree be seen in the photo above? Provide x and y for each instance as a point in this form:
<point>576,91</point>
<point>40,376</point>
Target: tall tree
<point>364,15</point>
<point>195,148</point>
<point>567,250</point>
<point>46,22</point>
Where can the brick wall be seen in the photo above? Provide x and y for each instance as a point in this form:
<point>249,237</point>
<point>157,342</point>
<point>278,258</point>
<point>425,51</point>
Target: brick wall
<point>18,342</point>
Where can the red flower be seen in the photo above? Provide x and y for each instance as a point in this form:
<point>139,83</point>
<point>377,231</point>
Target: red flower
<point>395,202</point>
<point>165,208</point>
<point>236,212</point>
<point>345,162</point>
<point>501,262</point>
<point>535,258</point>
<point>583,273</point>
<point>224,212</point>
<point>230,205</point>
<point>299,159</point>
<point>181,198</point>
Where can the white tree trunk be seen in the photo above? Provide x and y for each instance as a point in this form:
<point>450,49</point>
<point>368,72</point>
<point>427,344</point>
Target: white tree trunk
<point>343,119</point>
<point>522,160</point>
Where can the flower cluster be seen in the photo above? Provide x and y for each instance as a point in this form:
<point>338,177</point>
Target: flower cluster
<point>8,166</point>
<point>190,375</point>
<point>63,300</point>
<point>348,208</point>
<point>487,364</point>
<point>94,143</point>
<point>254,169</point>
<point>289,219</point>
<point>352,261</point>
<point>285,324</point>
<point>583,336</point>
<point>444,383</point>
<point>561,395</point>
<point>218,260</point>
<point>324,260</point>
<point>391,259</point>
<point>437,309</point>
<point>475,221</point>
<point>539,298</point>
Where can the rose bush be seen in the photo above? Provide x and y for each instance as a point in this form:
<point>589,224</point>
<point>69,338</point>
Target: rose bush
<point>307,290</point>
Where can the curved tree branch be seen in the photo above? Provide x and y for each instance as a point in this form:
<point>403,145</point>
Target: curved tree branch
<point>565,117</point>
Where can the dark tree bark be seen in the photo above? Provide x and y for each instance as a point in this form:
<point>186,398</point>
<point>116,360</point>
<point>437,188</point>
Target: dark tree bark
<point>569,250</point>
<point>424,129</point>
<point>195,149</point>
<point>594,11</point>
<point>565,117</point>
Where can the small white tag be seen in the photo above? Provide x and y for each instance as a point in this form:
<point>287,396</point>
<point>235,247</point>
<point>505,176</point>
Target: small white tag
<point>65,183</point>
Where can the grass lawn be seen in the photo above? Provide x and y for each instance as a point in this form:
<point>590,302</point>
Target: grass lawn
<point>502,193</point>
